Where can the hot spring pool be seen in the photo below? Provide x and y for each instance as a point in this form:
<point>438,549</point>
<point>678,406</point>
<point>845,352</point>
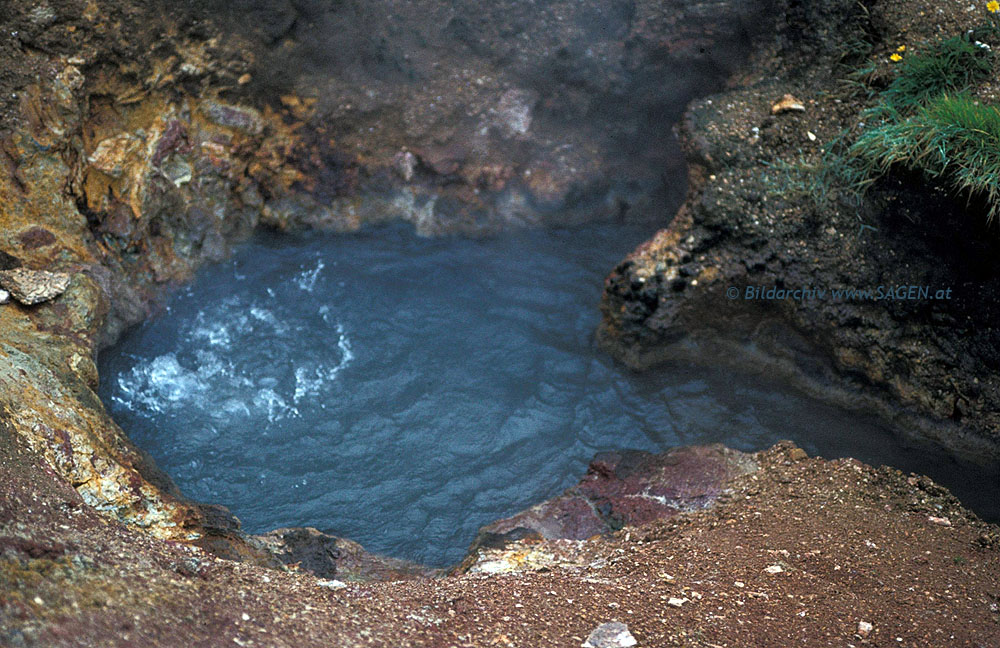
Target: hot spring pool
<point>402,391</point>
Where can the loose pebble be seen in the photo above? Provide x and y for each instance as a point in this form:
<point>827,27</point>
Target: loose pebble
<point>787,103</point>
<point>610,635</point>
<point>33,286</point>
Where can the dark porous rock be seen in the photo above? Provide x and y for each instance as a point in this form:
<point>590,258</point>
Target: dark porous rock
<point>930,363</point>
<point>625,488</point>
<point>34,286</point>
<point>8,261</point>
<point>328,556</point>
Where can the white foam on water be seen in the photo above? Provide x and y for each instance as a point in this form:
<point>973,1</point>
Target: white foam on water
<point>306,280</point>
<point>271,404</point>
<point>153,385</point>
<point>311,377</point>
<point>247,382</point>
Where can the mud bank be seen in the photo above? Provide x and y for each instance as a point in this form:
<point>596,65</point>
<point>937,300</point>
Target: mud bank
<point>754,221</point>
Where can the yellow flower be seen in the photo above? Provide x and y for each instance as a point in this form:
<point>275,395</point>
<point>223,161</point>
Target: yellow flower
<point>895,58</point>
<point>902,48</point>
<point>993,6</point>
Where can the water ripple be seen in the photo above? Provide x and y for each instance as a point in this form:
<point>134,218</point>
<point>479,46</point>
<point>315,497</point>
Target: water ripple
<point>403,391</point>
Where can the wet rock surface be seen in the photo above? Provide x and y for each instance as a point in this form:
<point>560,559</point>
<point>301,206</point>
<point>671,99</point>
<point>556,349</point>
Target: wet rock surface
<point>625,488</point>
<point>460,117</point>
<point>754,221</point>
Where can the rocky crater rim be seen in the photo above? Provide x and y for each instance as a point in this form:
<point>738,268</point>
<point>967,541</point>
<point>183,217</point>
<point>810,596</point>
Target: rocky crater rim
<point>125,172</point>
<point>760,567</point>
<point>127,182</point>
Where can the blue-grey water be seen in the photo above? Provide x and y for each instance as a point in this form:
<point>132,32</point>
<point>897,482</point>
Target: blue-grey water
<point>403,391</point>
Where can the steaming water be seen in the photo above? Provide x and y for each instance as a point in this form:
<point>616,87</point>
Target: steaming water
<point>402,391</point>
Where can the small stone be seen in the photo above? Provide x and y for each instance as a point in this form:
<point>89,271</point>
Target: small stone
<point>33,286</point>
<point>797,454</point>
<point>38,600</point>
<point>111,155</point>
<point>4,296</point>
<point>774,569</point>
<point>943,521</point>
<point>787,103</point>
<point>245,616</point>
<point>35,237</point>
<point>676,602</point>
<point>740,584</point>
<point>811,135</point>
<point>405,162</point>
<point>610,635</point>
<point>864,628</point>
<point>239,118</point>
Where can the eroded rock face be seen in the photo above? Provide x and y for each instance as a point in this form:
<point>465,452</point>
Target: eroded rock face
<point>125,233</point>
<point>757,218</point>
<point>328,556</point>
<point>460,117</point>
<point>625,488</point>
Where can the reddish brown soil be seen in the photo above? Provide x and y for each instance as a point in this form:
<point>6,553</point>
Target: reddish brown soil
<point>854,544</point>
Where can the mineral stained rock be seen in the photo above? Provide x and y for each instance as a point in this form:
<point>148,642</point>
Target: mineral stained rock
<point>626,488</point>
<point>32,287</point>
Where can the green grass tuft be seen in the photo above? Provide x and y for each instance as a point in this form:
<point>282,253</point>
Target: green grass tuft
<point>954,138</point>
<point>951,66</point>
<point>924,120</point>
